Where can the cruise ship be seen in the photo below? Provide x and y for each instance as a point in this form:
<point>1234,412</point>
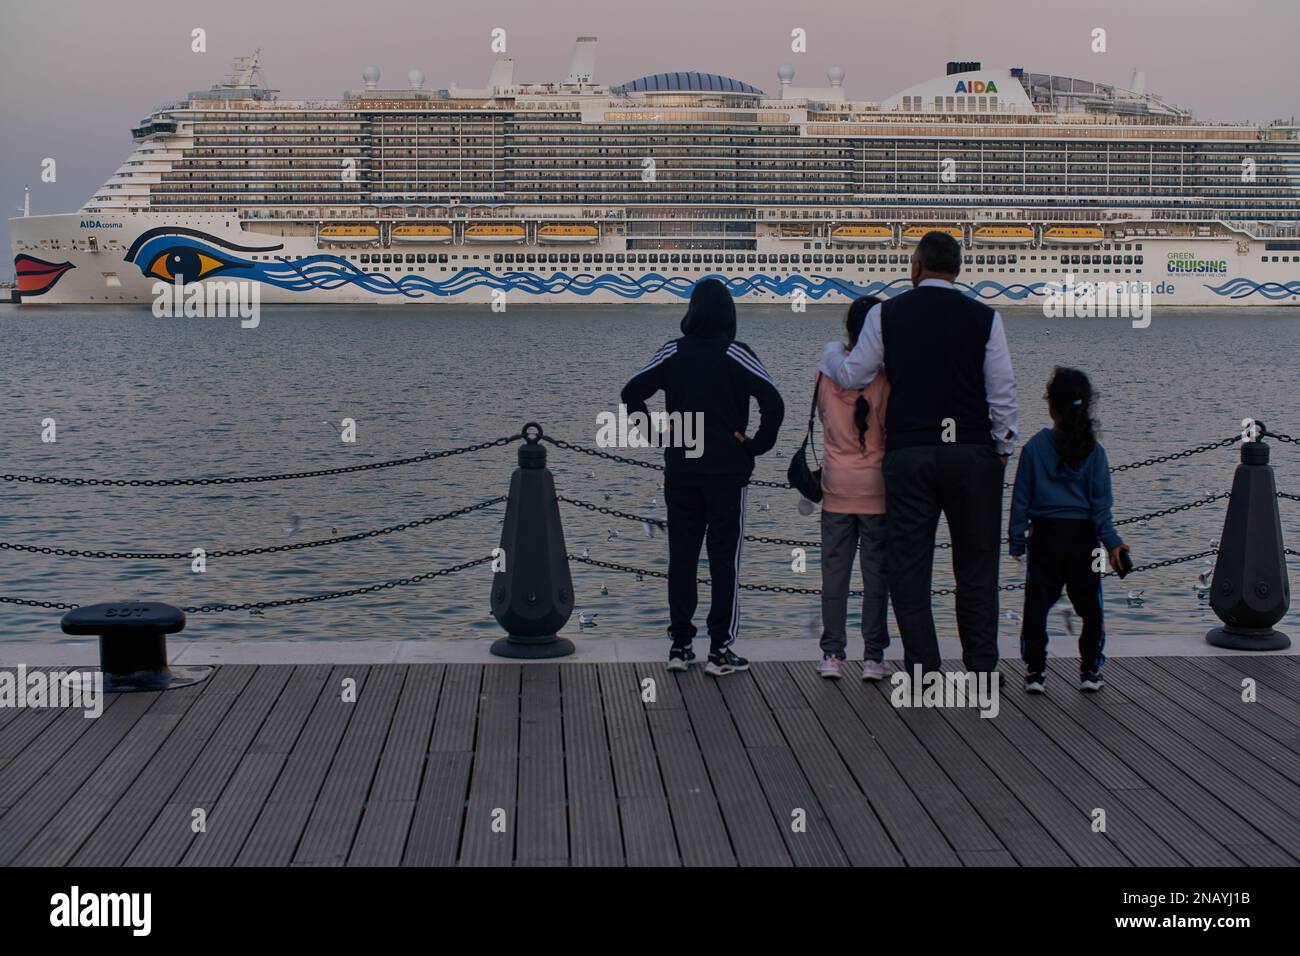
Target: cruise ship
<point>575,191</point>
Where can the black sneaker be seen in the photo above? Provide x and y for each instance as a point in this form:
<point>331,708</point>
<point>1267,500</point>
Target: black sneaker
<point>725,662</point>
<point>1036,683</point>
<point>1091,680</point>
<point>680,658</point>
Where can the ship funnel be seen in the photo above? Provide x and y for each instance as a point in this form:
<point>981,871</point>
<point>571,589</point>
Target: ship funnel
<point>503,75</point>
<point>582,68</point>
<point>1139,83</point>
<point>964,66</point>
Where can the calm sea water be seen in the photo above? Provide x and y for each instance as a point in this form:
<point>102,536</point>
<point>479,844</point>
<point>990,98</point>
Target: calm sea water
<point>139,397</point>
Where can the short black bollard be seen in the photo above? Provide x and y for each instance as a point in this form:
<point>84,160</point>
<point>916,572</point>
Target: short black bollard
<point>532,597</point>
<point>1250,592</point>
<point>133,644</point>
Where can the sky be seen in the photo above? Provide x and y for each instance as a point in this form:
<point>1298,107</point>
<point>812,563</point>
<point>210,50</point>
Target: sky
<point>77,74</point>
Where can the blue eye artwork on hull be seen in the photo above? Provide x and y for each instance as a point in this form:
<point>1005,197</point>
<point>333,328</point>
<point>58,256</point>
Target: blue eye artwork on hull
<point>168,252</point>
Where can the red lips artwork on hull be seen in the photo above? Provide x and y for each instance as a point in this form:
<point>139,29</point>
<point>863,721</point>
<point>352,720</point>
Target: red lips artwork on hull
<point>36,276</point>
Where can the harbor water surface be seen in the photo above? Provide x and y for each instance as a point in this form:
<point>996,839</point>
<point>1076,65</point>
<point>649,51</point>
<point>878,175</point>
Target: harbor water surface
<point>137,397</point>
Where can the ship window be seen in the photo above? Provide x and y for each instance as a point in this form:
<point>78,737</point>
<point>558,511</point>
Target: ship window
<point>420,257</point>
<point>365,257</point>
<point>839,260</point>
<point>388,257</point>
<point>641,257</point>
<point>871,260</point>
<point>410,257</point>
<point>751,258</point>
<point>785,259</point>
<point>731,260</point>
<point>762,258</point>
<point>697,258</point>
<point>1105,260</point>
<point>552,257</point>
<point>618,257</point>
<point>1137,260</point>
<point>979,260</point>
<point>587,257</point>
<point>442,257</point>
<point>497,257</point>
<point>1128,260</point>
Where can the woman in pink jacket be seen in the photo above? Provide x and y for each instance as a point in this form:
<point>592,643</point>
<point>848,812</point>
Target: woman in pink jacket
<point>853,509</point>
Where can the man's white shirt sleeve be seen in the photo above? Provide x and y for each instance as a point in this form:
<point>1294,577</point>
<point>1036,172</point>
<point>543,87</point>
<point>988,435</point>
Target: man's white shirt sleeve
<point>1000,388</point>
<point>859,367</point>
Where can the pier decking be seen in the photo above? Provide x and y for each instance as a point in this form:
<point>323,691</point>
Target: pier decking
<point>565,764</point>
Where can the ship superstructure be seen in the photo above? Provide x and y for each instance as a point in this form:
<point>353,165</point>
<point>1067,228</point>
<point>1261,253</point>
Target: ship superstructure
<point>575,191</point>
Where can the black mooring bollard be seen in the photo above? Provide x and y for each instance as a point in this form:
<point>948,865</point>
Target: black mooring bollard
<point>1250,592</point>
<point>133,644</point>
<point>532,597</point>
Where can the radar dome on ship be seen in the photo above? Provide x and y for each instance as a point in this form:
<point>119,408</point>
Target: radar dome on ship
<point>835,75</point>
<point>417,79</point>
<point>371,75</point>
<point>785,73</point>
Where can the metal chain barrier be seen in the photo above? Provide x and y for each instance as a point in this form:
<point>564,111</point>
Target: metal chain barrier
<point>246,552</point>
<point>624,460</point>
<point>1160,459</point>
<point>1198,503</point>
<point>285,602</point>
<point>332,595</point>
<point>663,524</point>
<point>934,592</point>
<point>254,479</point>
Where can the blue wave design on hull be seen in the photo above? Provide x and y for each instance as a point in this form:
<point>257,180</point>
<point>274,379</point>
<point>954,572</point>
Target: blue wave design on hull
<point>324,273</point>
<point>1241,288</point>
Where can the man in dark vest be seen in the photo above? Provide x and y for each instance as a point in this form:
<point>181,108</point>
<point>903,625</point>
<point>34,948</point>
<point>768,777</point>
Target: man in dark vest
<point>950,425</point>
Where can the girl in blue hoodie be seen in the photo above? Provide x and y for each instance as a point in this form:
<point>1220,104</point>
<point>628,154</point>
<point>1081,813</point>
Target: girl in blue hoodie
<point>1060,510</point>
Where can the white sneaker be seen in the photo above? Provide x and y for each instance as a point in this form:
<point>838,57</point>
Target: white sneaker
<point>829,667</point>
<point>873,670</point>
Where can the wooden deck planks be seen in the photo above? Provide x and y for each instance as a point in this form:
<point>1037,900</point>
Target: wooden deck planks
<point>588,764</point>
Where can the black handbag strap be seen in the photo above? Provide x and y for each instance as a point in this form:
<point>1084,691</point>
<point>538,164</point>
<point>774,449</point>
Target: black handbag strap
<point>812,419</point>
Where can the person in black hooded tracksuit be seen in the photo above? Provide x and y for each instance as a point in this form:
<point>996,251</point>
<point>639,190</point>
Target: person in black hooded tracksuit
<point>708,371</point>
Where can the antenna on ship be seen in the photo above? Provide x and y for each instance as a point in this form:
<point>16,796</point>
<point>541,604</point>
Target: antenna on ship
<point>245,74</point>
<point>26,207</point>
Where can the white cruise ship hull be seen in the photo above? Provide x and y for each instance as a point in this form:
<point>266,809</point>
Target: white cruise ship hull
<point>106,259</point>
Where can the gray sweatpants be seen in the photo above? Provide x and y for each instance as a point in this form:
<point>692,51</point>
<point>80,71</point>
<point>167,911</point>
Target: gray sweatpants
<point>844,535</point>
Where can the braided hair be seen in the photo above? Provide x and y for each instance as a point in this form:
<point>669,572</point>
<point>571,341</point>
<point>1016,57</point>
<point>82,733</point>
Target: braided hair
<point>853,322</point>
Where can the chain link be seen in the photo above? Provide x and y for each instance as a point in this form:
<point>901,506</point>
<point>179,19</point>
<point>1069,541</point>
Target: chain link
<point>246,552</point>
<point>254,479</point>
<point>1280,437</point>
